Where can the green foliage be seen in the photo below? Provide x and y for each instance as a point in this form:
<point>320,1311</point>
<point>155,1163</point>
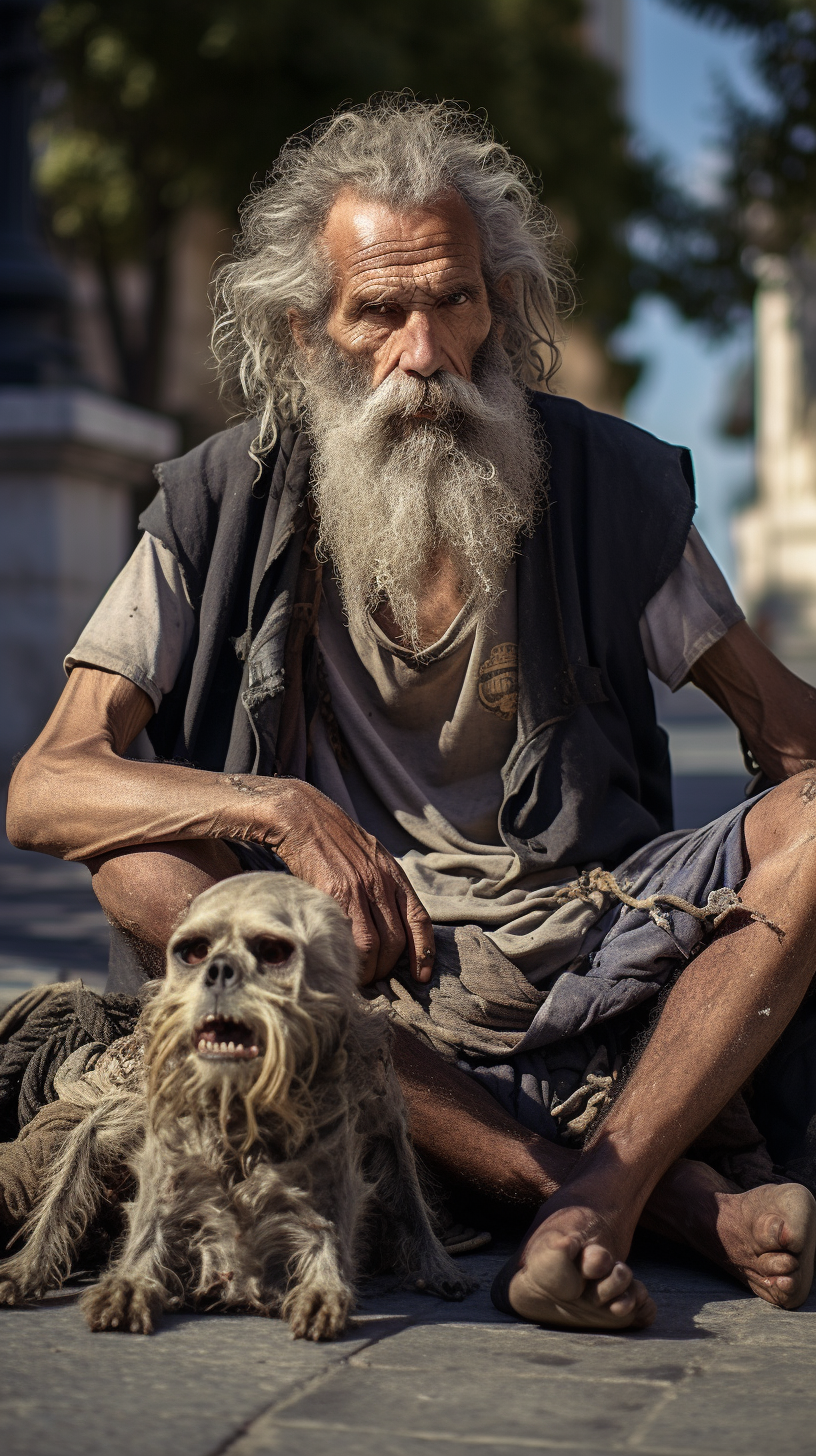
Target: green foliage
<point>768,202</point>
<point>189,100</point>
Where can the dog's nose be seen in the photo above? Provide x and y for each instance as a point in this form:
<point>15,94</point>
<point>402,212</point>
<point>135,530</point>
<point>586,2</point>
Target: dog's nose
<point>222,975</point>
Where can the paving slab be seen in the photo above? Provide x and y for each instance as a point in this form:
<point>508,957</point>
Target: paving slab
<point>719,1372</point>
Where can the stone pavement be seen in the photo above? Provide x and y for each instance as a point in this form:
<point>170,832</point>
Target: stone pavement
<point>51,926</point>
<point>719,1373</point>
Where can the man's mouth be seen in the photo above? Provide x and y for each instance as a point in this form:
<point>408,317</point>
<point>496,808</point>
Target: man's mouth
<point>220,1038</point>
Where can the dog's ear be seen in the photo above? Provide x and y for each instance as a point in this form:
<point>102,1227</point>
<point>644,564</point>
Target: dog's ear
<point>150,990</point>
<point>332,959</point>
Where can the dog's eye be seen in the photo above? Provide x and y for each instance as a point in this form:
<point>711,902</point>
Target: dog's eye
<point>193,952</point>
<point>272,952</point>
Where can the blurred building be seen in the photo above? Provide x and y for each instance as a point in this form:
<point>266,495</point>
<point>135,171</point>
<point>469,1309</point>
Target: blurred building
<point>775,537</point>
<point>73,459</point>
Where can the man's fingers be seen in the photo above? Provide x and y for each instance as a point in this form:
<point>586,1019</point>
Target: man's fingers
<point>421,946</point>
<point>390,928</point>
<point>366,937</point>
<point>386,916</point>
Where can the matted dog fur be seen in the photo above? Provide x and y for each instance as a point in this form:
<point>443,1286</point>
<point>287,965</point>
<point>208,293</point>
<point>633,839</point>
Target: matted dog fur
<point>264,1127</point>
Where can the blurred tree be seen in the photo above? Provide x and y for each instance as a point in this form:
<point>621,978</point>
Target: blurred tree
<point>768,187</point>
<point>170,102</point>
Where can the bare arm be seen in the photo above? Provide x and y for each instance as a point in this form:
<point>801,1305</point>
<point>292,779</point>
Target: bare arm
<point>774,710</point>
<point>73,795</point>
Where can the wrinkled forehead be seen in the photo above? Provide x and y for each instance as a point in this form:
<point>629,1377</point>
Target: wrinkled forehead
<point>244,904</point>
<point>367,240</point>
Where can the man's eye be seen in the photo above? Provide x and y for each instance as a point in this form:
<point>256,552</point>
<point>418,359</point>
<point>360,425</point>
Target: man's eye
<point>272,952</point>
<point>193,952</point>
<point>457,298</point>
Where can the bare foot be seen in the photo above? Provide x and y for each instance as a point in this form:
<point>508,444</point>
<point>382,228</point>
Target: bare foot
<point>565,1275</point>
<point>766,1237</point>
<point>771,1235</point>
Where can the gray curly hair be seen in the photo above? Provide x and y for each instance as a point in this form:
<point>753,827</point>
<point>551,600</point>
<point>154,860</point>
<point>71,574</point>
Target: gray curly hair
<point>406,153</point>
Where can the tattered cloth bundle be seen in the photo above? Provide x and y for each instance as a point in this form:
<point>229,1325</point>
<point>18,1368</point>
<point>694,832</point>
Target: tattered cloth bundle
<point>41,1030</point>
<point>51,1039</point>
<point>478,1009</point>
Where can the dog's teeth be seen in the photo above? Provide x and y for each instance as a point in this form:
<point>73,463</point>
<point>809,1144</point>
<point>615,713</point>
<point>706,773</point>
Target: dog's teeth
<point>240,1048</point>
<point>231,1047</point>
<point>253,1051</point>
<point>210,1017</point>
<point>224,1047</point>
<point>202,1045</point>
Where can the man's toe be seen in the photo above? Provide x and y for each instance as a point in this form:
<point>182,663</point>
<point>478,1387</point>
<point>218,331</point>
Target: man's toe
<point>615,1285</point>
<point>645,1307</point>
<point>776,1263</point>
<point>596,1262</point>
<point>784,1283</point>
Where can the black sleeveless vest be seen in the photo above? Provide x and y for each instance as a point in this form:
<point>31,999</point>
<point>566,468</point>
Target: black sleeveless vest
<point>589,777</point>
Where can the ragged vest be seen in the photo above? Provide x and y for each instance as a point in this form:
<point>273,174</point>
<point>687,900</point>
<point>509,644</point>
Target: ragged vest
<point>589,778</point>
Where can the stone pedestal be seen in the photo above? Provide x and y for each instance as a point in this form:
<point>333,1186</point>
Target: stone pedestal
<point>70,462</point>
<point>775,537</point>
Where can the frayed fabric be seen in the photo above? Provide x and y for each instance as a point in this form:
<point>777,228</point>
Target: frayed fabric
<point>552,1054</point>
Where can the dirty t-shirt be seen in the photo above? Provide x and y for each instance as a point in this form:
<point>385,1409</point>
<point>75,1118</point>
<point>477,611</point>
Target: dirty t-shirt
<point>422,747</point>
<point>423,743</point>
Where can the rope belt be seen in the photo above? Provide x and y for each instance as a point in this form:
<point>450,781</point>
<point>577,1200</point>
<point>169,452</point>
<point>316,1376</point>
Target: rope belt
<point>720,903</point>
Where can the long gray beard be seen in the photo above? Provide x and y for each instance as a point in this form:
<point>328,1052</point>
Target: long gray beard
<point>394,493</point>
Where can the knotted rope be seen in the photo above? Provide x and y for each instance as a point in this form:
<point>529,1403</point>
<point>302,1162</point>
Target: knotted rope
<point>41,1029</point>
<point>720,903</point>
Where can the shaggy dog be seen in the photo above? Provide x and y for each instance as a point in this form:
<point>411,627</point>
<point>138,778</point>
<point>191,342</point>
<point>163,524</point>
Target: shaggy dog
<point>265,1130</point>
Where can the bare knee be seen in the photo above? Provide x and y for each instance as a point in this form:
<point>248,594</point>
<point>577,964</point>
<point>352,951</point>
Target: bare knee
<point>147,889</point>
<point>784,820</point>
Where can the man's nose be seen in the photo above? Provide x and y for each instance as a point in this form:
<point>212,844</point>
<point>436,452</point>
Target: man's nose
<point>222,975</point>
<point>421,351</point>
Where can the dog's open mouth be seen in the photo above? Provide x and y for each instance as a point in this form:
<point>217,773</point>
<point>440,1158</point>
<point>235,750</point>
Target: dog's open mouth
<point>223,1039</point>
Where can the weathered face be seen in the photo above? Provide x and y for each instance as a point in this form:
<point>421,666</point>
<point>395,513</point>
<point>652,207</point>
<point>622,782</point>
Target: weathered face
<point>220,963</point>
<point>240,960</point>
<point>223,962</point>
<point>409,292</point>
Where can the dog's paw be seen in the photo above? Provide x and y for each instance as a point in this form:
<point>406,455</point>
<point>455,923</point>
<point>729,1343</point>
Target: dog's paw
<point>121,1304</point>
<point>10,1292</point>
<point>442,1278</point>
<point>20,1282</point>
<point>317,1314</point>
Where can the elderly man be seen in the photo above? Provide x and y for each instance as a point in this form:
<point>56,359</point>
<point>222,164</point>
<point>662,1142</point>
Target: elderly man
<point>392,633</point>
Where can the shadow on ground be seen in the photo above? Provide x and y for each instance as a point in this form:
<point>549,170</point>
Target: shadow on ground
<point>719,1372</point>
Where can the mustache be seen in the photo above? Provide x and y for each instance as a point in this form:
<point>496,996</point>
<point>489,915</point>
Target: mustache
<point>445,399</point>
<point>440,402</point>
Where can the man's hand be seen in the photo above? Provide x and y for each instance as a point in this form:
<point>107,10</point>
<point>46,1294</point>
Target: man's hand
<point>323,846</point>
<point>774,710</point>
<point>75,796</point>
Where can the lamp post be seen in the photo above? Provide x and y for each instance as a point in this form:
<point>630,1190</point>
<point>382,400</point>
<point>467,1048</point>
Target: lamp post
<point>34,345</point>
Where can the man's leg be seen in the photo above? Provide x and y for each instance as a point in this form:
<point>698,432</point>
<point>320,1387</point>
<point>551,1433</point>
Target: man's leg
<point>463,1132</point>
<point>454,1121</point>
<point>722,1017</point>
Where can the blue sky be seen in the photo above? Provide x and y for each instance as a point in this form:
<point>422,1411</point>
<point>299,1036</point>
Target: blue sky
<point>675,66</point>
